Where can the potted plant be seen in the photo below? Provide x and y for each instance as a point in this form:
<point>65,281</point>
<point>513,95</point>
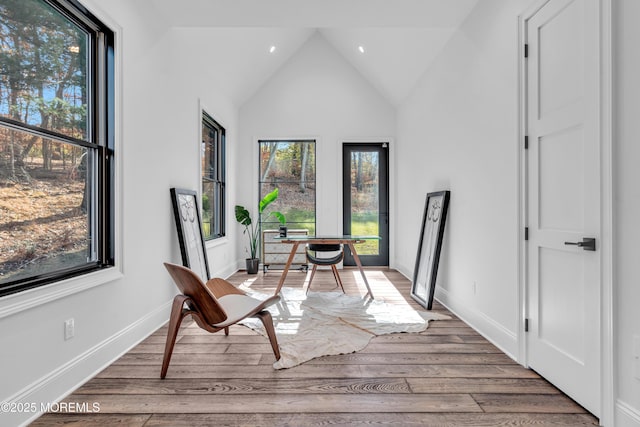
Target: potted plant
<point>243,216</point>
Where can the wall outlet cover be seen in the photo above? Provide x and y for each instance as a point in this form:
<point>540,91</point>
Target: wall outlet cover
<point>69,329</point>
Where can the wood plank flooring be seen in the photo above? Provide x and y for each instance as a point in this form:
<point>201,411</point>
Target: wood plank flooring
<point>448,375</point>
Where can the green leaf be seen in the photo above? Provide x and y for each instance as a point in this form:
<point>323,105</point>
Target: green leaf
<point>243,216</point>
<point>266,200</point>
<point>280,217</point>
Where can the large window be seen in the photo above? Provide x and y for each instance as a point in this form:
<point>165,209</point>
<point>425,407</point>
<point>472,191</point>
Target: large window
<point>56,143</point>
<point>213,177</point>
<point>291,167</point>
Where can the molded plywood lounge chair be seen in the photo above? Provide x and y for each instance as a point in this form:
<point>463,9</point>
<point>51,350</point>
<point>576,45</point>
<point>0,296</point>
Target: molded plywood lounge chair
<point>214,306</point>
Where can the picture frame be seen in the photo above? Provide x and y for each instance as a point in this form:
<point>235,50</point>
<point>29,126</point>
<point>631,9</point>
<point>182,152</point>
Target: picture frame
<point>429,247</point>
<point>186,213</point>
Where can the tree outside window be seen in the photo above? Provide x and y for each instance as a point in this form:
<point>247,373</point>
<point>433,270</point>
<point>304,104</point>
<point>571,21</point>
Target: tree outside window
<point>289,166</point>
<point>56,143</point>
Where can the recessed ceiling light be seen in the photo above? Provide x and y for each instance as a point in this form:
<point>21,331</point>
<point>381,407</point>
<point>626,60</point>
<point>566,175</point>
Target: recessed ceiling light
<point>272,49</point>
<point>361,49</point>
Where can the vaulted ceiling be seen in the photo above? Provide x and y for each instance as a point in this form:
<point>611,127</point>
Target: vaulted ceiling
<point>390,42</point>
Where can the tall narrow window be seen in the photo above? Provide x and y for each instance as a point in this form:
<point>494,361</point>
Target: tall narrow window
<point>213,177</point>
<point>291,167</point>
<point>56,143</point>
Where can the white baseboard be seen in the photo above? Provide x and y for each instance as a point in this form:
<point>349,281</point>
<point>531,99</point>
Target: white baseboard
<point>626,415</point>
<point>497,334</point>
<point>61,382</point>
<point>228,271</point>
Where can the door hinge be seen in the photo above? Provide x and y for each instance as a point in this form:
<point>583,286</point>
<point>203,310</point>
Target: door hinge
<point>526,142</point>
<point>526,50</point>
<point>526,233</point>
<point>526,325</point>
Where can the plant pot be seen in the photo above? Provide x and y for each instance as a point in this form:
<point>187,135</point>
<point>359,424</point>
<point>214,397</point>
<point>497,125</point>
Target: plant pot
<point>252,265</point>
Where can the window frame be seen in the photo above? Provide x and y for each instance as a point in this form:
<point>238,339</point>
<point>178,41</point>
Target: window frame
<point>218,227</point>
<point>265,222</point>
<point>101,140</point>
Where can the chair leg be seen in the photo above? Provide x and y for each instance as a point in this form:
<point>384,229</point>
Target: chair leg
<point>226,331</point>
<point>177,314</point>
<point>337,277</point>
<point>267,321</point>
<point>313,272</point>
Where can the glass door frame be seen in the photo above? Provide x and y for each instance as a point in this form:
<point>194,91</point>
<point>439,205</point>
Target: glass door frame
<point>382,148</point>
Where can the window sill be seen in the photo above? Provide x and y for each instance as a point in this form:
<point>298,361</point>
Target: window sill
<point>26,300</point>
<point>210,244</point>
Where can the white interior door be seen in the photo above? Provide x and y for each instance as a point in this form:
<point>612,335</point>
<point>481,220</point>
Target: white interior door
<point>563,207</point>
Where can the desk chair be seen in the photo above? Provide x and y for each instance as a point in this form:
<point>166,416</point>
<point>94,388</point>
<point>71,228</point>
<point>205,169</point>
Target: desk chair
<point>313,257</point>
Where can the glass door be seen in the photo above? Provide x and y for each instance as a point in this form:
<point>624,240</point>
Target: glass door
<point>366,200</point>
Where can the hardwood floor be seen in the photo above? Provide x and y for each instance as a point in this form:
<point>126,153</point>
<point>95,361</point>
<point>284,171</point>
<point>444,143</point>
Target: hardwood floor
<point>448,375</point>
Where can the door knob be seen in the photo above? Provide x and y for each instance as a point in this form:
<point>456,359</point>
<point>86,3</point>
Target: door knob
<point>588,244</point>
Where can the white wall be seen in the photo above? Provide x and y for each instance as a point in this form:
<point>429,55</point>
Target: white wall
<point>315,94</point>
<point>626,146</point>
<point>158,148</point>
<point>196,84</point>
<point>458,132</point>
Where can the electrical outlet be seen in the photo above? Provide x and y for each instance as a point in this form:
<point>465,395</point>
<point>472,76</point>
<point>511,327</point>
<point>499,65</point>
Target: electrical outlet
<point>69,329</point>
<point>636,357</point>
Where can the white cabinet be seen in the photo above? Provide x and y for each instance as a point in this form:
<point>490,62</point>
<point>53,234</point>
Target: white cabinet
<point>275,254</point>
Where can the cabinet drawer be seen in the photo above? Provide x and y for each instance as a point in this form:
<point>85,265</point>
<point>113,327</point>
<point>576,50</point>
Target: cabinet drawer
<point>282,258</point>
<point>281,248</point>
<point>276,253</point>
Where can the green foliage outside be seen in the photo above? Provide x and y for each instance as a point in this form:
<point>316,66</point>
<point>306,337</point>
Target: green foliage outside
<point>290,167</point>
<point>206,216</point>
<point>366,224</point>
<point>296,219</point>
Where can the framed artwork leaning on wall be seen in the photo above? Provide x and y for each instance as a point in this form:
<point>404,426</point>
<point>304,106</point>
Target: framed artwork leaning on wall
<point>186,213</point>
<point>429,247</point>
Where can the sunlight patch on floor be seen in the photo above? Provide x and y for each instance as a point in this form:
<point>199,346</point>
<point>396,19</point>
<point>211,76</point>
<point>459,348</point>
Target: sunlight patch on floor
<point>248,282</point>
<point>382,288</point>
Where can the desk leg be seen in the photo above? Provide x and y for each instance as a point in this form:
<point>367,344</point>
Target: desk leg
<point>356,258</point>
<point>294,249</point>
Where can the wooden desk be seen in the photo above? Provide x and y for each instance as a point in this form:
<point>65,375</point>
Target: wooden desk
<point>350,241</point>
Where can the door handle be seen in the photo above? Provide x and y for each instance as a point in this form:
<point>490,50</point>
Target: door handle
<point>588,244</point>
